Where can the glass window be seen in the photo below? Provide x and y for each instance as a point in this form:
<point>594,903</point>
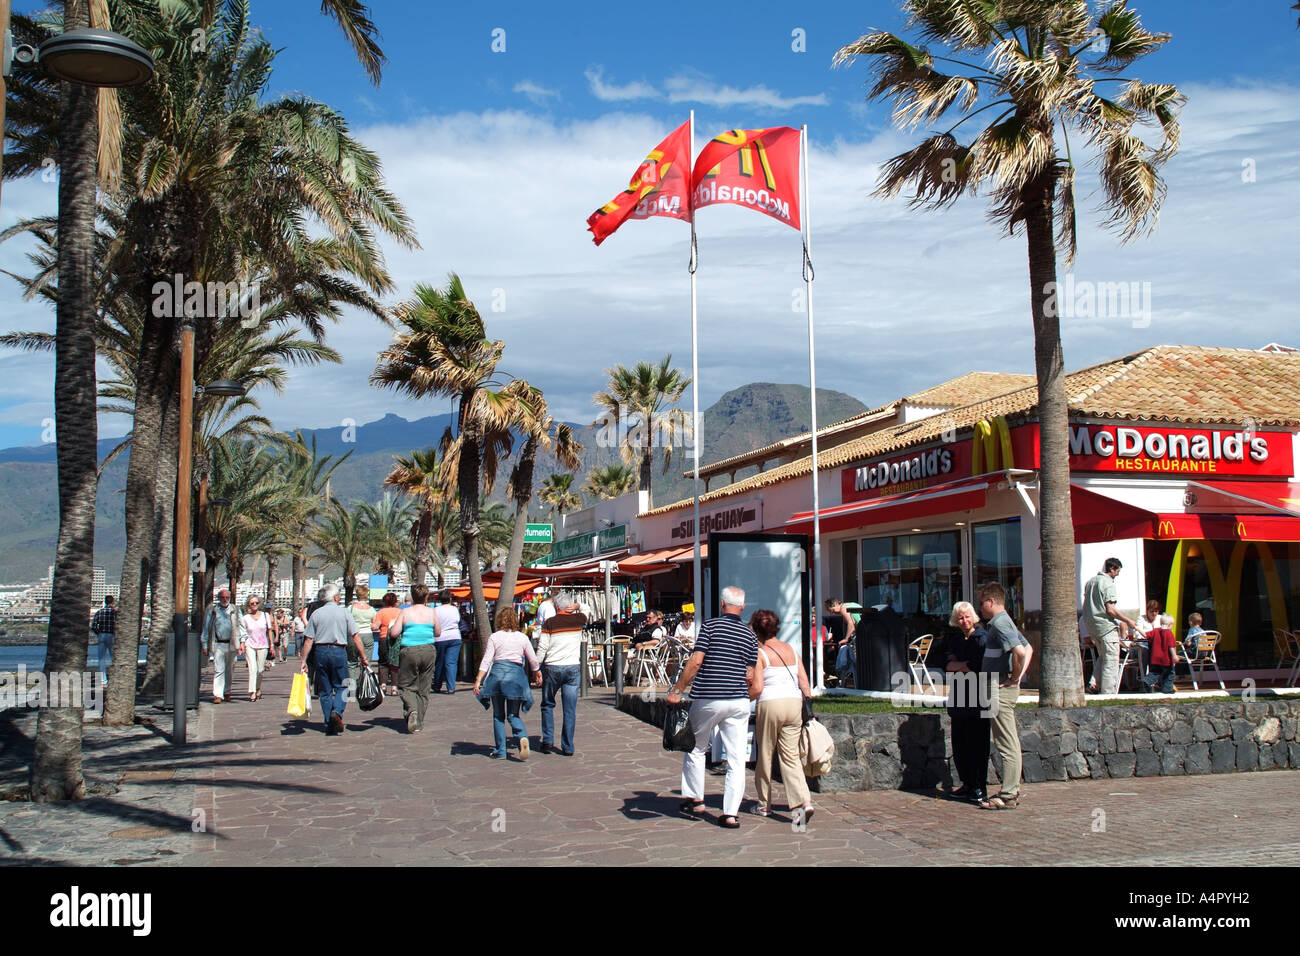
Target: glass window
<point>995,549</point>
<point>849,566</point>
<point>919,574</point>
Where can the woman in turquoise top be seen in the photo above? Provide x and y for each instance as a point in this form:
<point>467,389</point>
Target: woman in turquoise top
<point>416,628</point>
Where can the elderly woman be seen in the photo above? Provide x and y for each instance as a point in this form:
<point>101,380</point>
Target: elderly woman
<point>502,683</point>
<point>967,705</point>
<point>780,684</point>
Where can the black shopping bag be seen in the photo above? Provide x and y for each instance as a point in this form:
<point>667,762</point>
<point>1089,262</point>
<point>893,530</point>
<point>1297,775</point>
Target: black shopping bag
<point>677,728</point>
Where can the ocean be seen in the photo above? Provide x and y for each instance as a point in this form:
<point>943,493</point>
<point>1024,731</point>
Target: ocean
<point>33,655</point>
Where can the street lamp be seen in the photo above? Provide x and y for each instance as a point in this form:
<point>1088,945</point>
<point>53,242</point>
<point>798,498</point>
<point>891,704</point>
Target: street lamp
<point>88,57</point>
<point>181,557</point>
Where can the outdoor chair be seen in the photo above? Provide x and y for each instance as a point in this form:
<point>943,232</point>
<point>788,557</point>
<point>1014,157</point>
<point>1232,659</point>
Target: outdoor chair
<point>1130,661</point>
<point>1203,657</point>
<point>649,666</point>
<point>917,652</point>
<point>1088,654</point>
<point>1286,648</point>
<point>1295,652</point>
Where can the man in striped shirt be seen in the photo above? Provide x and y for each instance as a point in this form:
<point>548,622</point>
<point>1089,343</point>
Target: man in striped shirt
<point>722,667</point>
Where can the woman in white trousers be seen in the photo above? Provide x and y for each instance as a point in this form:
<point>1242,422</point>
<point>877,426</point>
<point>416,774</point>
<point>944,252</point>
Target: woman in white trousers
<point>255,645</point>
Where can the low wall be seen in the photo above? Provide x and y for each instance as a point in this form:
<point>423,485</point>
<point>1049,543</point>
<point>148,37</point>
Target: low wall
<point>911,750</point>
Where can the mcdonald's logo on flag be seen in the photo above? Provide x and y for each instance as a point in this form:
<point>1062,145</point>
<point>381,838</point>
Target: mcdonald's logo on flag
<point>1166,530</point>
<point>658,188</point>
<point>755,168</point>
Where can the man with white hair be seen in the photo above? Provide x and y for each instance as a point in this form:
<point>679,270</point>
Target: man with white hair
<point>560,654</point>
<point>721,667</point>
<point>221,634</point>
<point>329,629</point>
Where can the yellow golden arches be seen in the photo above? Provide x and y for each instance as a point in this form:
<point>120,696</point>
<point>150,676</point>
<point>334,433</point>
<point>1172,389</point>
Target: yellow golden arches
<point>1218,586</point>
<point>1231,599</point>
<point>989,441</point>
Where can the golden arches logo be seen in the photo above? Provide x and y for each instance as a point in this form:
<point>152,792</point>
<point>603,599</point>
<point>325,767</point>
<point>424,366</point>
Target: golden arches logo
<point>1241,530</point>
<point>991,441</point>
<point>1109,531</point>
<point>1166,530</point>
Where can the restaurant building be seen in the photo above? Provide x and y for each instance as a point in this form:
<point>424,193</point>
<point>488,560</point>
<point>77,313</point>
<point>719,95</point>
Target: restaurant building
<point>1183,465</point>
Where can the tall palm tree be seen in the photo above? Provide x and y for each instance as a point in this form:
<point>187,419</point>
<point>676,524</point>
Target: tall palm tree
<point>541,433</point>
<point>418,477</point>
<point>307,473</point>
<point>645,394</point>
<point>56,764</point>
<point>610,481</point>
<point>443,349</point>
<point>1042,63</point>
<point>557,491</point>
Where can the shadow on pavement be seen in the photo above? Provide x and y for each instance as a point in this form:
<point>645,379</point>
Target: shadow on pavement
<point>464,748</point>
<point>648,804</point>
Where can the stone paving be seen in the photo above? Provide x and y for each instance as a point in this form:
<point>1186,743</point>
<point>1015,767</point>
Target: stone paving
<point>257,787</point>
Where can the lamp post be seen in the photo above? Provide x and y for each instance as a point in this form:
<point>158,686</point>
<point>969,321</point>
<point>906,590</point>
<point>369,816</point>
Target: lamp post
<point>181,556</point>
<point>98,58</point>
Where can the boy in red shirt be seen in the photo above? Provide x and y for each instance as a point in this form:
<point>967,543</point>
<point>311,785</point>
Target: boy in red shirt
<point>1164,657</point>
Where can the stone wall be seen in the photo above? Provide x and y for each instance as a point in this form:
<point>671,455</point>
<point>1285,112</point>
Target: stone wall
<point>892,751</point>
<point>914,750</point>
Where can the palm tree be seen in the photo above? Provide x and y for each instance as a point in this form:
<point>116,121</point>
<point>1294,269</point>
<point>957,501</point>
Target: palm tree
<point>344,538</point>
<point>645,395</point>
<point>56,762</point>
<point>610,481</point>
<point>1041,64</point>
<point>307,474</point>
<point>444,350</point>
<point>541,433</point>
<point>388,525</point>
<point>557,492</point>
<point>417,477</point>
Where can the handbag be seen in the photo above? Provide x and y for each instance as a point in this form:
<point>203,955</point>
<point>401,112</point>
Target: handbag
<point>678,735</point>
<point>394,652</point>
<point>816,749</point>
<point>369,693</point>
<point>299,700</point>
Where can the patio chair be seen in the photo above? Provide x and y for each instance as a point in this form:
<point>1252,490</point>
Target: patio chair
<point>917,652</point>
<point>1130,660</point>
<point>1295,652</point>
<point>1088,656</point>
<point>1203,656</point>
<point>1286,647</point>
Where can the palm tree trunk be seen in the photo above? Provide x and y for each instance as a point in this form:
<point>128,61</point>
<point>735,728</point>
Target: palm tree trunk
<point>56,762</point>
<point>160,583</point>
<point>647,468</point>
<point>1061,670</point>
<point>468,486</point>
<point>271,561</point>
<point>140,506</point>
<point>422,556</point>
<point>523,486</point>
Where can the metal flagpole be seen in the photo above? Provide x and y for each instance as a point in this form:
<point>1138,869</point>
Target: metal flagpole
<point>696,435</point>
<point>818,654</point>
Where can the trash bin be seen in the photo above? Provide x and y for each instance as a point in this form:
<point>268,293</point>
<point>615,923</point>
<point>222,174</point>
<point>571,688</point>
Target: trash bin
<point>882,651</point>
<point>195,662</point>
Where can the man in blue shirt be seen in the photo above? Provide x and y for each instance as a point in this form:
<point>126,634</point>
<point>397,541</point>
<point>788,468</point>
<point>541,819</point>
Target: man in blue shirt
<point>221,634</point>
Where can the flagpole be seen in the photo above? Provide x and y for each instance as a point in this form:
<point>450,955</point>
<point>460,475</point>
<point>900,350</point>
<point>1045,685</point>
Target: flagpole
<point>818,654</point>
<point>696,433</point>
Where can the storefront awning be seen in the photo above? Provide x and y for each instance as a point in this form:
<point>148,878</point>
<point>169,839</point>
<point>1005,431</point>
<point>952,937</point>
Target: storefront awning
<point>652,562</point>
<point>1282,497</point>
<point>492,591</point>
<point>581,568</point>
<point>965,495</point>
<point>1099,517</point>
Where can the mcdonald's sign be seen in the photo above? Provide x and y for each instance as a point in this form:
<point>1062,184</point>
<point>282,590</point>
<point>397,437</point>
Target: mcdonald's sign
<point>1166,530</point>
<point>991,447</point>
<point>1241,530</point>
<point>1109,531</point>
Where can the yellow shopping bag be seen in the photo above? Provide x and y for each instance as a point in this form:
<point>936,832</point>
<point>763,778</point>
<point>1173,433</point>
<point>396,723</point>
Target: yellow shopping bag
<point>299,702</point>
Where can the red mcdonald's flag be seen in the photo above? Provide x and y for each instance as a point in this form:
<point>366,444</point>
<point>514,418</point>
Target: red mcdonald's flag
<point>658,188</point>
<point>756,168</point>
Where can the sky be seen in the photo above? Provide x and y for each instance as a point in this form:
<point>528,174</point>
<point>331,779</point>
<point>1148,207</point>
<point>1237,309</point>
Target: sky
<point>501,127</point>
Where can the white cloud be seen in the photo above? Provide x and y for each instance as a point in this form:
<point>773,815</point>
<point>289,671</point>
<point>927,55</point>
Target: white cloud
<point>611,93</point>
<point>701,89</point>
<point>536,92</point>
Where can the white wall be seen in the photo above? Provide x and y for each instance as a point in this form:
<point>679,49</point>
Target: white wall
<point>1129,586</point>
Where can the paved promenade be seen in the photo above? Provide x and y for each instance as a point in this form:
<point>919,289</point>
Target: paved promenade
<point>255,787</point>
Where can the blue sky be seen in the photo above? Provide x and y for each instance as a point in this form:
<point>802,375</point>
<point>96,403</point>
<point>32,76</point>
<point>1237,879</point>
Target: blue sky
<point>500,157</point>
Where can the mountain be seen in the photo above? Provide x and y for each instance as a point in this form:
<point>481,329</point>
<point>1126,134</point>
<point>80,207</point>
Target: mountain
<point>742,419</point>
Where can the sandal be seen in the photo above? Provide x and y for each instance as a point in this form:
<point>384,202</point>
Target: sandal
<point>691,808</point>
<point>1000,803</point>
<point>730,823</point>
<point>762,812</point>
